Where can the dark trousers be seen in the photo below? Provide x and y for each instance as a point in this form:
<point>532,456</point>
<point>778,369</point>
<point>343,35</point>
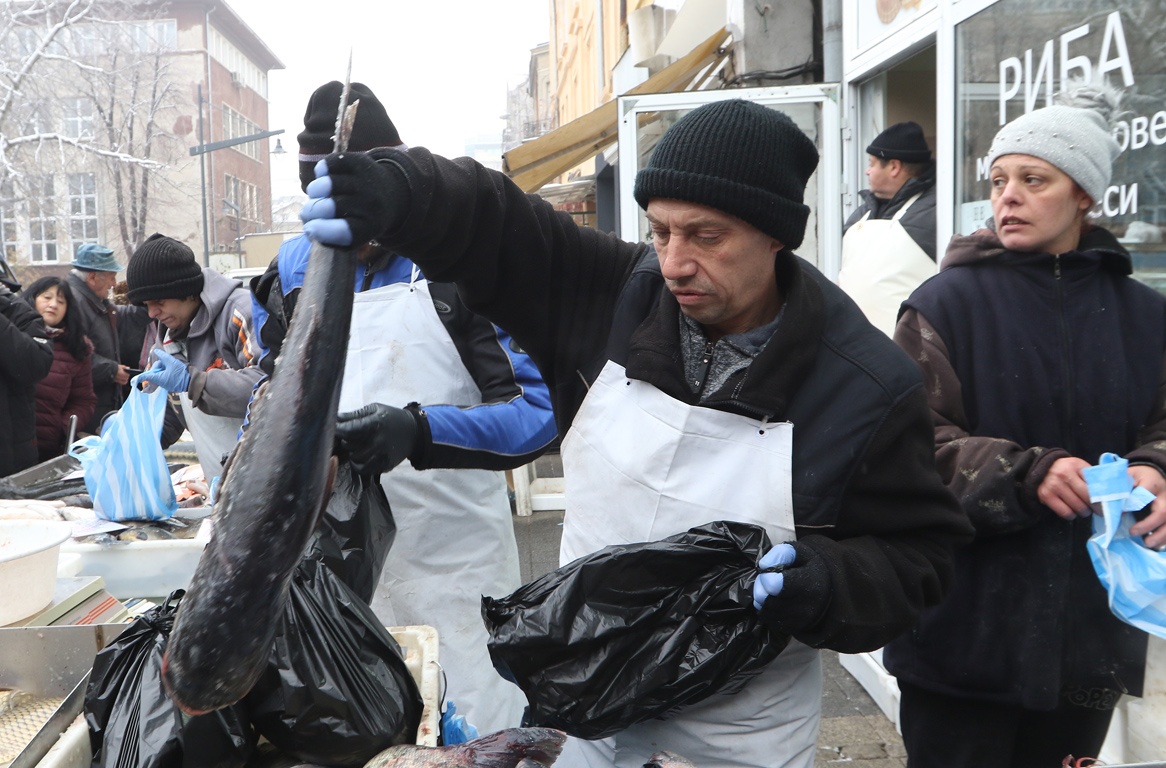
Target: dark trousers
<point>942,731</point>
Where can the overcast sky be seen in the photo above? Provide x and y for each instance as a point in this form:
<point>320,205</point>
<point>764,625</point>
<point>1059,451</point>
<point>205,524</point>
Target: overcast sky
<point>440,67</point>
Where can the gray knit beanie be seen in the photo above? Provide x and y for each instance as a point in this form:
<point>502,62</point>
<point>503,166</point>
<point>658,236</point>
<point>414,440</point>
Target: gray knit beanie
<point>1073,135</point>
<point>739,157</point>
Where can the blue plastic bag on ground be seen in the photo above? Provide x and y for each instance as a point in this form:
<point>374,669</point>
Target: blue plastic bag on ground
<point>1134,574</point>
<point>125,469</point>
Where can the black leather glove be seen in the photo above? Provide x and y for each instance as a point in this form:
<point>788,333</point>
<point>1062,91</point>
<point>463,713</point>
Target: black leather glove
<point>370,197</point>
<point>377,437</point>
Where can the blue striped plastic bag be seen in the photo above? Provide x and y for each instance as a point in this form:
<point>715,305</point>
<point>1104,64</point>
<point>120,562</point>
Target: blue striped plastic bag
<point>1134,574</point>
<point>125,470</point>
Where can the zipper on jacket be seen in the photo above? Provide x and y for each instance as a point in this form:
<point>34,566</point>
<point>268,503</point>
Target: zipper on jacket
<point>706,361</point>
<point>1066,348</point>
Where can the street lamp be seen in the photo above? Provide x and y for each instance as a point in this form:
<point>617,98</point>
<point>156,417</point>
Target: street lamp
<point>228,207</point>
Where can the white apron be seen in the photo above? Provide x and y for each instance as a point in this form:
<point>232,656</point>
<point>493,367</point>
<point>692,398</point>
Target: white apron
<point>455,537</point>
<point>641,466</point>
<point>213,435</point>
<point>881,266</point>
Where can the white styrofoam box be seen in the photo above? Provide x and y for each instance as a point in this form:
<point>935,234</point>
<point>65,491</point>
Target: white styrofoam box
<point>420,646</point>
<point>868,670</point>
<point>140,568</point>
<point>72,750</point>
<point>68,566</point>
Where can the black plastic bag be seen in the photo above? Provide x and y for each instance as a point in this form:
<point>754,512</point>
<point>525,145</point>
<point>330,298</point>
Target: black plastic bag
<point>356,531</point>
<point>336,690</point>
<point>635,632</point>
<point>133,724</point>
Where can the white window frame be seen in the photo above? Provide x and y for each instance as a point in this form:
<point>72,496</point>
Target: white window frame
<point>828,205</point>
<point>88,220</point>
<point>77,120</point>
<point>42,217</point>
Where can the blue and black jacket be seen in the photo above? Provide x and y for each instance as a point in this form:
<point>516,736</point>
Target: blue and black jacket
<point>511,427</point>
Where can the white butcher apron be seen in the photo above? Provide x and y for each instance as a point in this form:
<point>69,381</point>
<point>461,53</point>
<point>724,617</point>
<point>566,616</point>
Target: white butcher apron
<point>213,436</point>
<point>455,537</point>
<point>640,466</point>
<point>881,266</point>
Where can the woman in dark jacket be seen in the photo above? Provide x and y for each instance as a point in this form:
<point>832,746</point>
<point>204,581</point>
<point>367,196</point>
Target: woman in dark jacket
<point>1040,353</point>
<point>68,389</point>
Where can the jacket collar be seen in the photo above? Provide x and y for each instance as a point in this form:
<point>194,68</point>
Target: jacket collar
<point>766,387</point>
<point>984,245</point>
<point>216,290</point>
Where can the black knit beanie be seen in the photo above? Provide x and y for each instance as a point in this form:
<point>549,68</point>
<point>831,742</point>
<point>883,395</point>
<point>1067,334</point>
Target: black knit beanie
<point>372,127</point>
<point>162,268</point>
<point>902,141</point>
<point>739,157</point>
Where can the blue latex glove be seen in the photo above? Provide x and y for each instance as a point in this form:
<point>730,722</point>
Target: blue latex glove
<point>168,372</point>
<point>353,200</point>
<point>319,213</point>
<point>769,584</point>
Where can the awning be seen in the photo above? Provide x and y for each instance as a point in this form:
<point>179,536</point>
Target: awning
<point>570,192</point>
<point>536,162</point>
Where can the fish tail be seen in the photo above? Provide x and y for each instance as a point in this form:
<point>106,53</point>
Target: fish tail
<point>506,749</point>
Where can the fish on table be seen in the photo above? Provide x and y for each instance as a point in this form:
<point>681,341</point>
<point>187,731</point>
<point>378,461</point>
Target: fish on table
<point>668,760</point>
<point>22,715</point>
<point>274,491</point>
<point>511,748</point>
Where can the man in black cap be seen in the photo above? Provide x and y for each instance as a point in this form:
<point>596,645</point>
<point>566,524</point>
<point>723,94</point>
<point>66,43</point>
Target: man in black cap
<point>462,398</point>
<point>888,245</point>
<point>678,369</point>
<point>205,351</point>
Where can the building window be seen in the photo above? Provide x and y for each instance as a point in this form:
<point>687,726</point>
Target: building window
<point>159,35</point>
<point>244,195</point>
<point>42,221</point>
<point>38,121</point>
<point>235,126</point>
<point>82,209</point>
<point>242,69</point>
<point>8,235</point>
<point>77,118</point>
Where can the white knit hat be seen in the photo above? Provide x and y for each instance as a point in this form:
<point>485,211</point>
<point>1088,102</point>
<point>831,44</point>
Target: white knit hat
<point>1073,135</point>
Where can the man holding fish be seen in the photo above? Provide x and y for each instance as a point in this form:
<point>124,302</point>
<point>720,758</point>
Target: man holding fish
<point>679,370</point>
<point>429,381</point>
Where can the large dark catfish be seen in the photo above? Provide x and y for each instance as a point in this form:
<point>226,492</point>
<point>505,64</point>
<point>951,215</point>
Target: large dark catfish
<point>271,500</point>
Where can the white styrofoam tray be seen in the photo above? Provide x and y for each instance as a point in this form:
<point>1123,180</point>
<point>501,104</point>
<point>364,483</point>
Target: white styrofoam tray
<point>140,568</point>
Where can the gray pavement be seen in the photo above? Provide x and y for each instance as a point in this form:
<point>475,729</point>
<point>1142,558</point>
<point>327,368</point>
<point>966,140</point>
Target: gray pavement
<point>854,731</point>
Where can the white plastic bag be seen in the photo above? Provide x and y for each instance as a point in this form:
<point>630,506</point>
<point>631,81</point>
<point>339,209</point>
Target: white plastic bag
<point>1134,574</point>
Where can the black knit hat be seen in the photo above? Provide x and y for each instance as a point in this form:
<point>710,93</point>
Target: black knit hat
<point>902,141</point>
<point>162,268</point>
<point>739,157</point>
<point>372,127</point>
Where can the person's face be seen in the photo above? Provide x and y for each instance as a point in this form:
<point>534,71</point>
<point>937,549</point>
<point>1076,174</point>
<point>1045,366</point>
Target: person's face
<point>101,282</point>
<point>719,268</point>
<point>884,180</point>
<point>175,314</point>
<point>51,305</point>
<point>1036,206</point>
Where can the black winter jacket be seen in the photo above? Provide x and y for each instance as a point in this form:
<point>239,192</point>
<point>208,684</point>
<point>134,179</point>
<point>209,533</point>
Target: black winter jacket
<point>99,323</point>
<point>1030,358</point>
<point>876,529</point>
<point>26,356</point>
<point>919,220</point>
